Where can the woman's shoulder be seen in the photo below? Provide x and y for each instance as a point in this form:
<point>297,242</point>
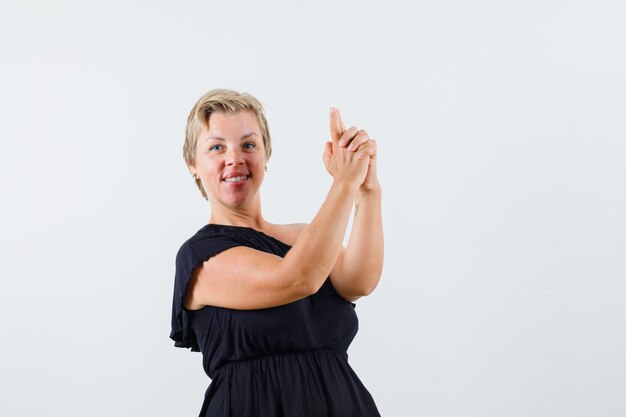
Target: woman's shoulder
<point>285,233</point>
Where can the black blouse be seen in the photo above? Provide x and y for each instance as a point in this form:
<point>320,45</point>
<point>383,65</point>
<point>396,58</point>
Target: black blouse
<point>290,360</point>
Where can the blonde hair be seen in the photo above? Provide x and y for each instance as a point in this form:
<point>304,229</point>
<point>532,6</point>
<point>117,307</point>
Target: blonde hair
<point>225,101</point>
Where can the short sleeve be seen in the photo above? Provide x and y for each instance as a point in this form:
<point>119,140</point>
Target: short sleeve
<point>191,255</point>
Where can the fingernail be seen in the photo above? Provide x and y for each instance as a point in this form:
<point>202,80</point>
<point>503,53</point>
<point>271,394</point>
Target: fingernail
<point>360,155</point>
<point>332,109</point>
<point>342,142</point>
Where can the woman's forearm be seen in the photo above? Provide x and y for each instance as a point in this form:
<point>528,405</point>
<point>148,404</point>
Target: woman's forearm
<point>363,258</point>
<point>317,248</point>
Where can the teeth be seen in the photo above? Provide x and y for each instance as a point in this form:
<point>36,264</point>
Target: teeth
<point>235,179</point>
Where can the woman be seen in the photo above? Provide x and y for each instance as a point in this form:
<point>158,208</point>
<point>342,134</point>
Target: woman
<point>271,306</point>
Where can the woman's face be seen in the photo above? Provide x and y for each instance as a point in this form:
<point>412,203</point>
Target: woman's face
<point>231,148</point>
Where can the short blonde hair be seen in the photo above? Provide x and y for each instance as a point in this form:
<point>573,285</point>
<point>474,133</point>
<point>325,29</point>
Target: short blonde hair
<point>225,101</point>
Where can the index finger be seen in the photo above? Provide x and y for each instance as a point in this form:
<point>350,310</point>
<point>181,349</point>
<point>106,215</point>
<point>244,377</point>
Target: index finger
<point>336,125</point>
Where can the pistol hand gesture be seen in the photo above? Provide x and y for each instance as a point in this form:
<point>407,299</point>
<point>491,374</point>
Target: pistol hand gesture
<point>354,141</point>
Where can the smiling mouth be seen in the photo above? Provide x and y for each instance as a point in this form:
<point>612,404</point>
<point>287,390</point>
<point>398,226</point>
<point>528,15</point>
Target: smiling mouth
<point>235,180</point>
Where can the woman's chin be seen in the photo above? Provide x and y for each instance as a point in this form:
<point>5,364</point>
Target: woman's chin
<point>237,200</point>
<point>235,196</point>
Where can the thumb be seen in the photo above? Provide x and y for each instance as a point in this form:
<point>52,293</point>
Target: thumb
<point>328,148</point>
<point>326,159</point>
<point>328,153</point>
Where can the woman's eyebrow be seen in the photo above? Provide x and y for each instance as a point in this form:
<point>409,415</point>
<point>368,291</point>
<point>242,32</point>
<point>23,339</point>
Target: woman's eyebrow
<point>222,139</point>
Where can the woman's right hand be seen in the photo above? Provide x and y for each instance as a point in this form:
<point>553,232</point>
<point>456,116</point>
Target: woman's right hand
<point>342,164</point>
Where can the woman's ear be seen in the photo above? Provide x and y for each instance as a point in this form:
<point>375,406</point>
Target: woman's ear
<point>193,170</point>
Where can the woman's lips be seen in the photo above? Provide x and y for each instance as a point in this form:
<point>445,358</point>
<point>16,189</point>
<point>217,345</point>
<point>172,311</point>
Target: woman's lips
<point>237,183</point>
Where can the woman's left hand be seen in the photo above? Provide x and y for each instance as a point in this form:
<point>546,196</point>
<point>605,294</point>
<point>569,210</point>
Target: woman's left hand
<point>362,144</point>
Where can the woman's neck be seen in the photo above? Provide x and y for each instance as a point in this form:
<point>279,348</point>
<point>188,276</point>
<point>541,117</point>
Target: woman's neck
<point>239,218</point>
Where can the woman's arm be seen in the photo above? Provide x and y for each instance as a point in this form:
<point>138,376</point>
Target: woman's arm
<point>359,266</point>
<point>246,278</point>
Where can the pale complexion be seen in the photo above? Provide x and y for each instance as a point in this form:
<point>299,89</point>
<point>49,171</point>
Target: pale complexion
<point>232,144</point>
<point>358,268</point>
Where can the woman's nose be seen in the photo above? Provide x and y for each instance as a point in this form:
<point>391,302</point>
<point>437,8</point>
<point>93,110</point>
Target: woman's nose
<point>234,156</point>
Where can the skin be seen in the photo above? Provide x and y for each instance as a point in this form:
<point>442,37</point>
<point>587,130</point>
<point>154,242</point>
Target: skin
<point>215,158</point>
<point>358,268</point>
<point>359,265</point>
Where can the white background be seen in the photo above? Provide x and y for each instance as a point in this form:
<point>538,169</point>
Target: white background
<point>500,128</point>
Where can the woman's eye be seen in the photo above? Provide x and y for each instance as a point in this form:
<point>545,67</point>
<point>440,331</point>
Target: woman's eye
<point>250,143</point>
<point>211,148</point>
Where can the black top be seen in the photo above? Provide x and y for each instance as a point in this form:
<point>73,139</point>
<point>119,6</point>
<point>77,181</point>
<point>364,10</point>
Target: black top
<point>284,361</point>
